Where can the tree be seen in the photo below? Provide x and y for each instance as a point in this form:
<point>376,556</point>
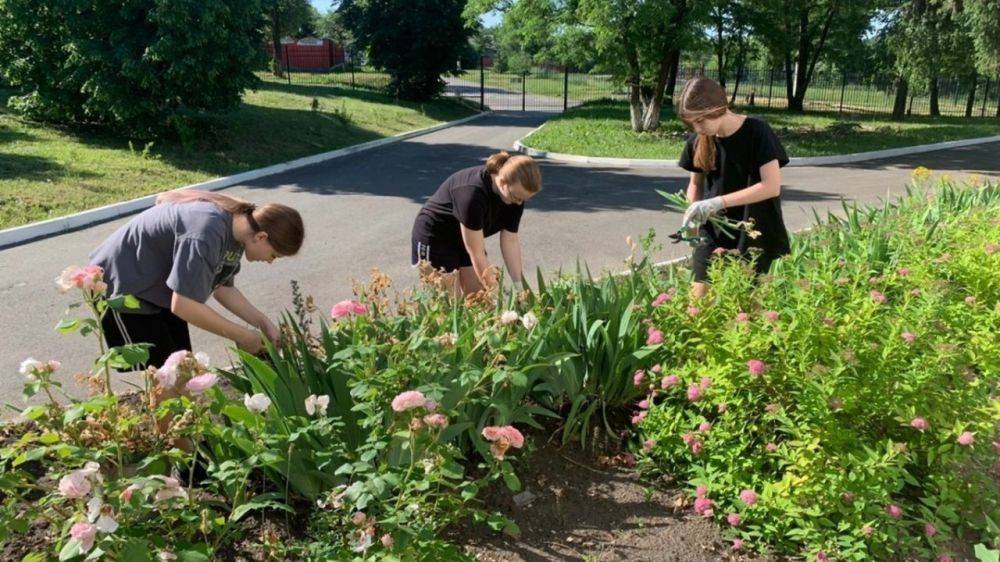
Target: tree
<point>797,33</point>
<point>284,18</point>
<point>146,67</point>
<point>415,41</point>
<point>933,38</point>
<point>331,26</point>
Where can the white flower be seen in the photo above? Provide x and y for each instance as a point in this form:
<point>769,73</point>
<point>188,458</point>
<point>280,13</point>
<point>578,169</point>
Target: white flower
<point>106,524</point>
<point>202,358</point>
<point>364,542</point>
<point>316,404</point>
<point>94,508</point>
<point>30,365</point>
<point>258,403</point>
<point>65,281</point>
<point>529,320</point>
<point>166,555</point>
<point>508,318</point>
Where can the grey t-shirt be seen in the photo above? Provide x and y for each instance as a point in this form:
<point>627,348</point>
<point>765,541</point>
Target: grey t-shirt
<point>186,248</point>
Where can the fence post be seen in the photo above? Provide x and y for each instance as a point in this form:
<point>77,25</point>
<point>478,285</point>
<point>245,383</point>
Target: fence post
<point>770,88</point>
<point>288,64</point>
<point>843,86</point>
<point>524,87</point>
<point>565,87</point>
<point>986,94</point>
<point>482,84</point>
<point>352,72</point>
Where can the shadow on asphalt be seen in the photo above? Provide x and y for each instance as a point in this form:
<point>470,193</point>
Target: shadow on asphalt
<point>977,159</point>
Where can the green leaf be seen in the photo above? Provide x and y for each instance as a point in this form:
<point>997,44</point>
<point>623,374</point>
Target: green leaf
<point>985,554</point>
<point>136,550</point>
<point>262,501</point>
<point>68,325</point>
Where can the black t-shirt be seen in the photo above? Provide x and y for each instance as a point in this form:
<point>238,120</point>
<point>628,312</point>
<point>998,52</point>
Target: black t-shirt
<point>467,198</point>
<point>737,166</point>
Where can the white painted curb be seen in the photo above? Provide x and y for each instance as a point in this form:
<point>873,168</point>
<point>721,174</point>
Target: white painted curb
<point>43,229</point>
<point>806,161</point>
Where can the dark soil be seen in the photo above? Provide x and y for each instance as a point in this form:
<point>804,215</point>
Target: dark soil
<point>591,508</point>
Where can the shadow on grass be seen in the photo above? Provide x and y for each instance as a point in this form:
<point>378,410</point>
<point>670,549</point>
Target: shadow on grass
<point>29,168</point>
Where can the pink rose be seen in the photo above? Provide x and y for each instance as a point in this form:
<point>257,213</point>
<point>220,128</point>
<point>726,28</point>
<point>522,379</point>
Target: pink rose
<point>84,533</point>
<point>75,485</point>
<point>198,385</point>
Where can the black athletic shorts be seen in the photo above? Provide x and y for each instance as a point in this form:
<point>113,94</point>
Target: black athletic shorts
<point>702,257</point>
<point>446,258</point>
<point>164,330</point>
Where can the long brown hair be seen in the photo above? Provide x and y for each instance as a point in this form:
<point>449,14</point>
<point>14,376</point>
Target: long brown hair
<point>520,169</point>
<point>702,98</point>
<point>282,223</point>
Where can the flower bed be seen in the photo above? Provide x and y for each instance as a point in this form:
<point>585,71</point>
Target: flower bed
<point>841,409</point>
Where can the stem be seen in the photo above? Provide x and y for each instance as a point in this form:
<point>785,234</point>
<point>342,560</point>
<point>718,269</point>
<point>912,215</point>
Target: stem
<point>409,471</point>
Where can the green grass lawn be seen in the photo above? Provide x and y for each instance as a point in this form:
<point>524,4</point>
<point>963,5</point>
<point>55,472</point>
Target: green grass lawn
<point>47,172</point>
<point>602,128</point>
<point>582,87</point>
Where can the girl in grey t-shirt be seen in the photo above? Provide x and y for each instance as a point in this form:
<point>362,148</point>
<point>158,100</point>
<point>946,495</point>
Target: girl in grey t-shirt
<point>186,248</point>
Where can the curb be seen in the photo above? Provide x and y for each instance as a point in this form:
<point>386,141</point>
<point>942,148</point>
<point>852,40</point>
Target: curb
<point>44,229</point>
<point>805,161</point>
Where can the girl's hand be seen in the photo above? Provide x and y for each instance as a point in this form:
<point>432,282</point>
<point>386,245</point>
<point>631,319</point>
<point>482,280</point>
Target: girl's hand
<point>699,212</point>
<point>269,330</point>
<point>250,341</point>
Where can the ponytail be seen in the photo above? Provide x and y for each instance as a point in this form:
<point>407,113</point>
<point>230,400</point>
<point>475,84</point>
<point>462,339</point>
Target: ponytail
<point>283,224</point>
<point>520,169</point>
<point>704,153</point>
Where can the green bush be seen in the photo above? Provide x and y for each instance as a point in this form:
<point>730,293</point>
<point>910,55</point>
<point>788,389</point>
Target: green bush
<point>144,67</point>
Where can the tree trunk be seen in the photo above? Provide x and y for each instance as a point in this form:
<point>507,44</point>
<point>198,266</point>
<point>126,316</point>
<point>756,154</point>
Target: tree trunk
<point>789,86</point>
<point>720,50</point>
<point>935,109</point>
<point>276,41</point>
<point>801,60</point>
<point>740,63</point>
<point>971,100</point>
<point>899,104</point>
<point>651,120</point>
<point>675,63</point>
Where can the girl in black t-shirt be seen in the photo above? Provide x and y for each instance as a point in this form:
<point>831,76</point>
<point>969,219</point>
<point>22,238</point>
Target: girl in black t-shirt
<point>470,206</point>
<point>735,163</point>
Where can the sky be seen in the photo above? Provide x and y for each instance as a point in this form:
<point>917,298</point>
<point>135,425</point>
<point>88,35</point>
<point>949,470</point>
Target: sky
<point>489,20</point>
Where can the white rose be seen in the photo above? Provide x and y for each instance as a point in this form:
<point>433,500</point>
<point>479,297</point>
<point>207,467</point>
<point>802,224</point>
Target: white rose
<point>258,403</point>
<point>316,404</point>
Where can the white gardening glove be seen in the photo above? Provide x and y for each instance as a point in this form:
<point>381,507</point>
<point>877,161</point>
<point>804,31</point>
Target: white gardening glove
<point>699,211</point>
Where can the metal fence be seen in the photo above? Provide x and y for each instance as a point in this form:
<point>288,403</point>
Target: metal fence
<point>558,89</point>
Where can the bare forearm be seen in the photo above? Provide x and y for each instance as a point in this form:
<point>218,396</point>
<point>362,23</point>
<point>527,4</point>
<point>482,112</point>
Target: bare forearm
<point>693,193</point>
<point>236,302</point>
<point>753,194</point>
<point>511,250</point>
<point>202,316</point>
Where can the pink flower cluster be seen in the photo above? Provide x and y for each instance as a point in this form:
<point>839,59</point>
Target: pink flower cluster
<point>503,438</point>
<point>348,308</point>
<point>89,278</point>
<point>653,336</point>
<point>409,400</point>
<point>756,367</point>
<point>663,298</point>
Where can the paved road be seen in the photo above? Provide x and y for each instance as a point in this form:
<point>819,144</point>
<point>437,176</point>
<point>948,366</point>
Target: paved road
<point>359,210</point>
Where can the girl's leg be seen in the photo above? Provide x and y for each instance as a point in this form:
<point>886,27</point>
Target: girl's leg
<point>699,289</point>
<point>700,259</point>
<point>127,328</point>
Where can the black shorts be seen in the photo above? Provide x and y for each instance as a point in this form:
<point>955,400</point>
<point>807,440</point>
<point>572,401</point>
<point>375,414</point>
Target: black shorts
<point>448,258</point>
<point>164,330</point>
<point>703,254</point>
